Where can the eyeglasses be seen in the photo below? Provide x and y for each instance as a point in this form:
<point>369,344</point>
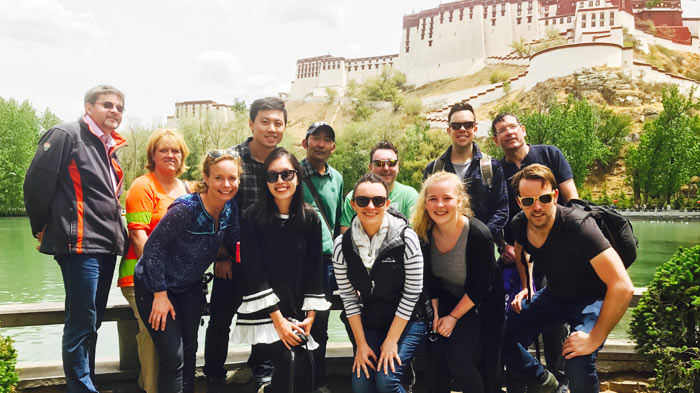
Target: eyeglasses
<point>381,163</point>
<point>468,125</point>
<point>363,201</point>
<point>507,128</point>
<point>218,153</point>
<point>110,105</point>
<point>287,175</point>
<point>544,199</point>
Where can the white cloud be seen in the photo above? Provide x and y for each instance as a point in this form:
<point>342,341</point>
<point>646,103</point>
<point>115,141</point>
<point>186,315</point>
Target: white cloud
<point>217,67</point>
<point>45,21</point>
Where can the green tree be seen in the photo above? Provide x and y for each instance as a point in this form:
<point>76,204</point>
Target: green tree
<point>384,87</point>
<point>20,130</point>
<point>667,155</point>
<point>239,106</point>
<point>133,157</point>
<point>210,131</point>
<point>8,361</point>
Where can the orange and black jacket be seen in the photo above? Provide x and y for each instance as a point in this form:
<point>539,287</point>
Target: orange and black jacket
<point>70,195</point>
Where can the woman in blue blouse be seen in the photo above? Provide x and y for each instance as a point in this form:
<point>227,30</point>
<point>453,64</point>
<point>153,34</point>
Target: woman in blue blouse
<point>168,277</point>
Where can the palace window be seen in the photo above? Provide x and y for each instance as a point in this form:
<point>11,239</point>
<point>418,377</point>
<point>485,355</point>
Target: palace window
<point>493,22</point>
<point>529,19</point>
<point>568,19</point>
<point>519,20</point>
<point>583,24</point>
<point>546,22</point>
<point>602,15</point>
<point>430,43</point>
<point>561,21</point>
<point>592,23</point>
<point>519,12</point>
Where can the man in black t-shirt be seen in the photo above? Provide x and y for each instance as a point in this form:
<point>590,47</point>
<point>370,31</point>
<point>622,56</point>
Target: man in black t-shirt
<point>588,286</point>
<point>509,134</point>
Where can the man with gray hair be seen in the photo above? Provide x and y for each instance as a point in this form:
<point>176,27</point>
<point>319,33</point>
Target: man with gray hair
<point>71,193</point>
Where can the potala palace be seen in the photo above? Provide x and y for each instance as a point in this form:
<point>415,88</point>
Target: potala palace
<point>459,38</point>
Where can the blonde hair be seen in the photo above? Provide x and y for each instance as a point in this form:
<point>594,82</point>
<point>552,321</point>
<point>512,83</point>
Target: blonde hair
<point>420,220</point>
<point>167,137</point>
<point>208,161</point>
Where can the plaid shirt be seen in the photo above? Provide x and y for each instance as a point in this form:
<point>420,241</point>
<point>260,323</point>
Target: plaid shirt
<point>251,179</point>
<point>308,170</point>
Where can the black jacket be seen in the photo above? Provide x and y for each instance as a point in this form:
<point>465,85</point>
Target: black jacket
<point>69,193</point>
<point>490,205</point>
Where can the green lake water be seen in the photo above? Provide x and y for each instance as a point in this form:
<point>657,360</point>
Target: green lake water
<point>26,276</point>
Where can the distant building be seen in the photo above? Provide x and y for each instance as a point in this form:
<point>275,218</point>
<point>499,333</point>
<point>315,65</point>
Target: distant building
<point>194,109</point>
<point>457,38</point>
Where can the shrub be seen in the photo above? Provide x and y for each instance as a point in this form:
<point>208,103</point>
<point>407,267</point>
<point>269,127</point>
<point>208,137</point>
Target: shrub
<point>499,75</point>
<point>8,360</point>
<point>666,323</point>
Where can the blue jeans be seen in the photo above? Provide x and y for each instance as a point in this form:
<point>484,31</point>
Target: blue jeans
<point>412,338</point>
<point>542,313</point>
<point>86,280</point>
<point>319,330</point>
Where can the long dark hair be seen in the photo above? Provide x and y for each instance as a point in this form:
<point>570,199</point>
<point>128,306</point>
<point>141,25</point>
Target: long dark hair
<point>264,212</point>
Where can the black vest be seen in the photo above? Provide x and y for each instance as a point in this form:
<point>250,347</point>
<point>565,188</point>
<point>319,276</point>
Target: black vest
<point>381,289</point>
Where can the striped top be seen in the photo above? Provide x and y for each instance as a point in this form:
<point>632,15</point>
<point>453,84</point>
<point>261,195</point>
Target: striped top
<point>412,260</point>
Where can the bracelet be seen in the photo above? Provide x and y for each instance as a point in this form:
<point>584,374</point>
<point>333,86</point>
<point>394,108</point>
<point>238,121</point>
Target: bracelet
<point>456,319</point>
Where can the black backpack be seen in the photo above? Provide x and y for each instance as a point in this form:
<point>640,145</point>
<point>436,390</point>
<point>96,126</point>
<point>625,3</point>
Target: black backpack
<point>615,227</point>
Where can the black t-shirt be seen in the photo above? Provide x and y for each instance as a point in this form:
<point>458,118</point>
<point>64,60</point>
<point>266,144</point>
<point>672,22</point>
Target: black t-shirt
<point>547,155</point>
<point>565,256</point>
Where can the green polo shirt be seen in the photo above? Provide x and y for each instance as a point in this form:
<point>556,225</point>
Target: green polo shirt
<point>403,198</point>
<point>329,187</point>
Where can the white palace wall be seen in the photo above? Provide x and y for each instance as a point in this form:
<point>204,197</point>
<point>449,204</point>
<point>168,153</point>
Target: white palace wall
<point>564,60</point>
<point>454,48</point>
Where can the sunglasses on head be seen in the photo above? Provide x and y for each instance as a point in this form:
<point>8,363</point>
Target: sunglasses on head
<point>544,199</point>
<point>363,201</point>
<point>218,153</point>
<point>110,105</point>
<point>287,175</point>
<point>468,125</point>
<point>381,163</point>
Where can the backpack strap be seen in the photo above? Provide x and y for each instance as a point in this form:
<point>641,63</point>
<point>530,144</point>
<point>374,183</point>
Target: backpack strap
<point>439,165</point>
<point>486,170</point>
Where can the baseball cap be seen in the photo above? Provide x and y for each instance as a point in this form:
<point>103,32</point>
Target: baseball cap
<point>321,125</point>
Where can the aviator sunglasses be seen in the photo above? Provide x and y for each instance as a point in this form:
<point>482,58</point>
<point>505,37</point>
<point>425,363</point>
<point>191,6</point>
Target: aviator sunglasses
<point>218,153</point>
<point>110,105</point>
<point>468,125</point>
<point>381,163</point>
<point>363,201</point>
<point>287,175</point>
<point>544,199</point>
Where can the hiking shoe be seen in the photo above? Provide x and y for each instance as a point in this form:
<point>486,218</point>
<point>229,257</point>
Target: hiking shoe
<point>240,375</point>
<point>215,384</point>
<point>549,385</point>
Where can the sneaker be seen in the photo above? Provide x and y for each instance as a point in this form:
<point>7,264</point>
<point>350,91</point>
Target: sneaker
<point>562,388</point>
<point>549,385</point>
<point>240,375</point>
<point>262,387</point>
<point>215,384</point>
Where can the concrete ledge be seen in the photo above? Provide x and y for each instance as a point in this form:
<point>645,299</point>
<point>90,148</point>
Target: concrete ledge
<point>616,356</point>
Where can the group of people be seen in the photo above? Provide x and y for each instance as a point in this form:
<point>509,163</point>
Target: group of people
<point>416,271</point>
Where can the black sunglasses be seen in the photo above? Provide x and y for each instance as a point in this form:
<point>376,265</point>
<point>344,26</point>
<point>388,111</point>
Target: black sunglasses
<point>544,199</point>
<point>287,175</point>
<point>363,201</point>
<point>218,153</point>
<point>468,125</point>
<point>381,163</point>
<point>110,105</point>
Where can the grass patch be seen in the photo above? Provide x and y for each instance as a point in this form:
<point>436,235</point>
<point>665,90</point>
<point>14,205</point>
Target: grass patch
<point>482,77</point>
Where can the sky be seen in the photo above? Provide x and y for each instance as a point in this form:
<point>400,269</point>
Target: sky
<point>158,53</point>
